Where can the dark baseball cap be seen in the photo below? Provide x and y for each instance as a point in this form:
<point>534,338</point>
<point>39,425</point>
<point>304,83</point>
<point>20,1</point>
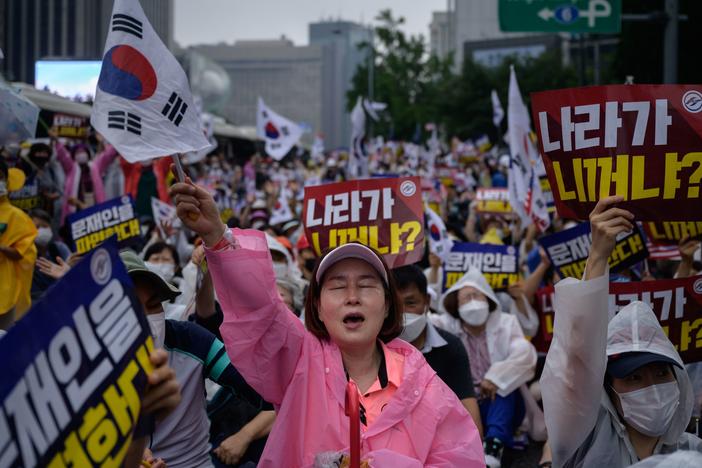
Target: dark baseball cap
<point>621,365</point>
<point>136,269</point>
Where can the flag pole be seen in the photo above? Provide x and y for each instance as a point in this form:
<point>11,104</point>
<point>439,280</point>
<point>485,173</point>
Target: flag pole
<point>180,173</point>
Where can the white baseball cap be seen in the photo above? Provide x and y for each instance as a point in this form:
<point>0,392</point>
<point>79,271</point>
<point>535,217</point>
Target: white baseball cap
<point>352,250</point>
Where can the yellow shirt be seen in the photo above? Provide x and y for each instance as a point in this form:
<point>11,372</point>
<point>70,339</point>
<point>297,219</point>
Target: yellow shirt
<point>18,231</point>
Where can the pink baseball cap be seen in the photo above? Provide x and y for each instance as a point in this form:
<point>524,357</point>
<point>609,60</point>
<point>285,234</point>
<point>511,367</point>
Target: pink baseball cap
<point>352,250</point>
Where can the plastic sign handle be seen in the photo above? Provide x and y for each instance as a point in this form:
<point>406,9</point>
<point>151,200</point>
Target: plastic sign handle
<point>352,411</point>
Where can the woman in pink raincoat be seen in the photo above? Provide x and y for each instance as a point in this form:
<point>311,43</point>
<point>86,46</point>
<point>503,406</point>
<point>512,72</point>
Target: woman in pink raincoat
<point>409,417</point>
<point>84,186</point>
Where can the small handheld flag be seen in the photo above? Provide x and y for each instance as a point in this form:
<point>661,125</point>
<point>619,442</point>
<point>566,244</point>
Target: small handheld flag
<point>279,133</point>
<point>143,105</point>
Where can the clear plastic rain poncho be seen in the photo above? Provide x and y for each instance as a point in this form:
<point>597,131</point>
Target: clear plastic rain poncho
<point>583,425</point>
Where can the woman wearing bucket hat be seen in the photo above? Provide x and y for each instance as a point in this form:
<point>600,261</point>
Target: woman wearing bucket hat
<point>614,391</point>
<point>409,417</point>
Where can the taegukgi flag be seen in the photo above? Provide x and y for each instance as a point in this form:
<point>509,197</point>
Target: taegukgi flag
<point>440,244</point>
<point>279,133</point>
<point>143,105</point>
<point>525,193</point>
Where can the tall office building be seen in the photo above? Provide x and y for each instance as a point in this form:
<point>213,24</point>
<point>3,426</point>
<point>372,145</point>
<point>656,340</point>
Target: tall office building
<point>471,28</point>
<point>340,41</point>
<point>32,30</point>
<point>287,77</point>
<point>440,40</point>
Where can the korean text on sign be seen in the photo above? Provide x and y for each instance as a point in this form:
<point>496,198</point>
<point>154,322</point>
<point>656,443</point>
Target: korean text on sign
<point>677,304</point>
<point>568,250</point>
<point>384,214</point>
<point>71,395</point>
<point>672,232</point>
<point>498,263</point>
<point>643,142</point>
<point>492,200</point>
<point>90,227</point>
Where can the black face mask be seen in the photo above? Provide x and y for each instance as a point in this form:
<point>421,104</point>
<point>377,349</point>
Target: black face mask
<point>39,162</point>
<point>310,263</point>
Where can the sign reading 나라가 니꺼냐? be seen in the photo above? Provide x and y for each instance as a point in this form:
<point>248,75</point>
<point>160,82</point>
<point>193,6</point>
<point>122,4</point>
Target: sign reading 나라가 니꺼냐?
<point>70,395</point>
<point>643,142</point>
<point>498,263</point>
<point>384,214</point>
<point>575,16</point>
<point>677,303</point>
<point>568,250</point>
<point>116,217</point>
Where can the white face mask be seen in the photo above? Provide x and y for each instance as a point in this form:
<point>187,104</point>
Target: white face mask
<point>164,270</point>
<point>157,323</point>
<point>3,188</point>
<point>44,236</point>
<point>413,325</point>
<point>651,409</point>
<point>280,269</point>
<point>475,312</point>
<point>81,158</point>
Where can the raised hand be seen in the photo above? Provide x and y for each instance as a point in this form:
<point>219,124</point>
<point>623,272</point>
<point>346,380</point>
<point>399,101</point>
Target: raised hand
<point>51,269</point>
<point>197,210</point>
<point>606,222</point>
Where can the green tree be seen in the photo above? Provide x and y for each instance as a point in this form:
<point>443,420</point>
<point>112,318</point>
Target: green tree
<point>466,106</point>
<point>405,77</point>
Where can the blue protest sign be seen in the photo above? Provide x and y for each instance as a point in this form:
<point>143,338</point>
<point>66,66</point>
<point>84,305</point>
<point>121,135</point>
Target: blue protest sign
<point>116,217</point>
<point>568,250</point>
<point>498,263</point>
<point>74,370</point>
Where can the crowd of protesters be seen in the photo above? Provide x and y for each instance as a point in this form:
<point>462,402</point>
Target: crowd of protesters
<point>262,335</point>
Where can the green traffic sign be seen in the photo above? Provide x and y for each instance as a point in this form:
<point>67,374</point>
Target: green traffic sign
<point>575,16</point>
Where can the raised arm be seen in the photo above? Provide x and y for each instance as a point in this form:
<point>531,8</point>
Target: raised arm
<point>63,157</point>
<point>263,339</point>
<point>105,158</point>
<point>576,362</point>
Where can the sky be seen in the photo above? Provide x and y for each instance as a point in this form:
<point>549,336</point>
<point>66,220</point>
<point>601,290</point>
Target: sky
<point>68,78</point>
<point>212,21</point>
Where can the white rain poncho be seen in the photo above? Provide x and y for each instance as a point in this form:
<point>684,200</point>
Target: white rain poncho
<point>583,426</point>
<point>512,357</point>
<point>679,459</point>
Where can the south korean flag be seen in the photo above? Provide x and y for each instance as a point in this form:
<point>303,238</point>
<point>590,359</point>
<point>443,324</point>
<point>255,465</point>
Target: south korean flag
<point>279,133</point>
<point>143,105</point>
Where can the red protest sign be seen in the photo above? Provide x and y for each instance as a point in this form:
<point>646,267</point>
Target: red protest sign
<point>677,303</point>
<point>643,142</point>
<point>672,232</point>
<point>544,307</point>
<point>384,214</point>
